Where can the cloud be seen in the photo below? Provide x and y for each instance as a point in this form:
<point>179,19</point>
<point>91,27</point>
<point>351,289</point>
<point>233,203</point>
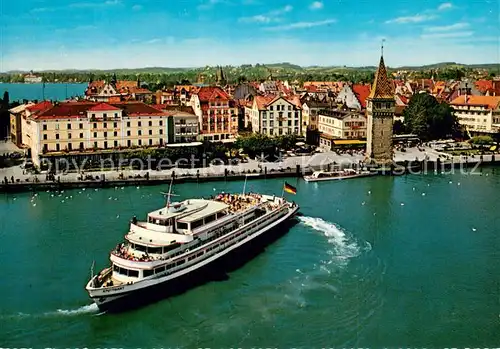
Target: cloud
<point>137,7</point>
<point>269,17</point>
<point>205,5</point>
<point>445,6</point>
<point>301,25</point>
<point>257,19</point>
<point>463,34</point>
<point>95,4</point>
<point>43,9</point>
<point>399,51</point>
<point>317,5</point>
<point>281,11</point>
<point>412,19</point>
<point>447,28</point>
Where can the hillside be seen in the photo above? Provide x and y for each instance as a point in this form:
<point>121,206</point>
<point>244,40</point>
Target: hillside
<point>285,66</point>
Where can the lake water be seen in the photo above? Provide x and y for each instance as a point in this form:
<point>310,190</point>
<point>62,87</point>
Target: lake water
<point>408,261</point>
<point>55,92</point>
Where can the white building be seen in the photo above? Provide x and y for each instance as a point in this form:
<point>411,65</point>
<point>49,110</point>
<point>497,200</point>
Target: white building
<point>275,116</point>
<point>340,124</point>
<point>478,114</point>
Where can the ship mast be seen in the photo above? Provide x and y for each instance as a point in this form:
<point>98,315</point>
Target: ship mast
<point>169,194</point>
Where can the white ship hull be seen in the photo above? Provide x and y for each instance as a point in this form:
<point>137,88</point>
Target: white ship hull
<point>112,298</point>
<point>337,178</point>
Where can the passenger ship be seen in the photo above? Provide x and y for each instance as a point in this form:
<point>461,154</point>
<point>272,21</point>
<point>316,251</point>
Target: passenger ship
<point>318,176</point>
<point>182,238</point>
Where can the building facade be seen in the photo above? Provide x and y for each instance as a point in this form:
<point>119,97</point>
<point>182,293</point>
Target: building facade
<point>78,127</point>
<point>117,91</point>
<point>217,114</point>
<point>478,114</point>
<point>342,124</point>
<point>275,116</point>
<point>380,116</point>
<point>310,110</point>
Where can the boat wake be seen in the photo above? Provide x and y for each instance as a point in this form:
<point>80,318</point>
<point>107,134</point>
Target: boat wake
<point>86,309</point>
<point>344,244</point>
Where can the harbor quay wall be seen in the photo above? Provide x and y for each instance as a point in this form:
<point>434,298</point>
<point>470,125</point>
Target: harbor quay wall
<point>469,166</point>
<point>144,181</point>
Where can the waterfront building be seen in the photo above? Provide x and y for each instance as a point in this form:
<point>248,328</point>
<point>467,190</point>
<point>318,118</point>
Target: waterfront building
<point>276,115</point>
<point>16,114</point>
<point>21,124</point>
<point>117,91</point>
<point>380,118</point>
<point>217,114</point>
<point>61,129</point>
<point>31,78</point>
<point>342,123</point>
<point>310,110</point>
<point>478,114</point>
<point>183,124</point>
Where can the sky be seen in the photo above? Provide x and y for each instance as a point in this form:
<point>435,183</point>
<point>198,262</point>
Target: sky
<point>107,34</point>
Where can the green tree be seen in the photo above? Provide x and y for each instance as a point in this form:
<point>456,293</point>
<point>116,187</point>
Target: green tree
<point>398,127</point>
<point>428,118</point>
<point>482,140</point>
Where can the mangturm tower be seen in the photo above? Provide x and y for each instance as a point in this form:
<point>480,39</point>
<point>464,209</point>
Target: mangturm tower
<point>380,116</point>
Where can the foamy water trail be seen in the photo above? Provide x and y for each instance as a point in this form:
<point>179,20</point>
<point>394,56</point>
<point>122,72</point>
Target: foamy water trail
<point>344,245</point>
<point>86,309</point>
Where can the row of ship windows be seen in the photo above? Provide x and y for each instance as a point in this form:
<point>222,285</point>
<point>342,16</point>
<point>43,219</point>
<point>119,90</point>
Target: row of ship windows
<point>104,125</point>
<point>232,240</point>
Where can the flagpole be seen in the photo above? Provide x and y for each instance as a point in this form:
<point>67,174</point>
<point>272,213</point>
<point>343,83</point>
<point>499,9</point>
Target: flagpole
<point>283,190</point>
<point>245,185</point>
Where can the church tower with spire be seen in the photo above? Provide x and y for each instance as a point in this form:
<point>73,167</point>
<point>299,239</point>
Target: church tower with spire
<point>380,116</point>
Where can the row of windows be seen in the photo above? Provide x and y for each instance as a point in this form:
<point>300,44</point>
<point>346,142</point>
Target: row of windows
<point>280,107</point>
<point>282,131</point>
<point>280,115</point>
<point>104,134</point>
<point>105,145</point>
<point>231,240</point>
<point>104,125</point>
<point>280,123</point>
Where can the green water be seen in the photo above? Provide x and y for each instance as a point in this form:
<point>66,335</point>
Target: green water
<point>359,270</point>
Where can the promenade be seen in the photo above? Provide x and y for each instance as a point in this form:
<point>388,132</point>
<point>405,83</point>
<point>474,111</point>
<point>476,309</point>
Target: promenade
<point>293,166</point>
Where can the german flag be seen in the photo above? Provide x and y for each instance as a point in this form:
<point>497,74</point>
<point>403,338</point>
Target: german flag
<point>290,189</point>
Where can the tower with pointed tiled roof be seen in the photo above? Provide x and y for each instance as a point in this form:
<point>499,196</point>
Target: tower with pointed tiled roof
<point>380,115</point>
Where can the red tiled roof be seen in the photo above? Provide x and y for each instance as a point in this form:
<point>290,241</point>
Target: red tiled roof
<point>484,85</point>
<point>103,107</point>
<point>138,109</point>
<point>40,106</point>
<point>264,101</point>
<point>404,99</point>
<point>491,102</point>
<point>210,93</point>
<point>80,109</point>
<point>382,88</point>
<point>66,110</point>
<point>362,92</point>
